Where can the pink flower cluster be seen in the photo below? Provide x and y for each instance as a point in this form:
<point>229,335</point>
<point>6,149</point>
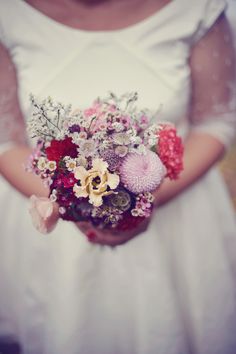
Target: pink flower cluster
<point>143,205</point>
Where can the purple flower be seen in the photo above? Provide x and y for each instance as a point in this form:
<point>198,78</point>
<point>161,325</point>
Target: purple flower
<point>112,159</point>
<point>75,128</point>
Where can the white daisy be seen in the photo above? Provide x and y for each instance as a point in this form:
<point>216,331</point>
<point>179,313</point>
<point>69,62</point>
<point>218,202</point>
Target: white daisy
<point>70,164</point>
<point>42,163</point>
<point>51,165</point>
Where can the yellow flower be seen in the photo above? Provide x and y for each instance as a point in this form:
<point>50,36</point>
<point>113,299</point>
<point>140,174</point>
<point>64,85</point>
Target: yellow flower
<point>96,182</point>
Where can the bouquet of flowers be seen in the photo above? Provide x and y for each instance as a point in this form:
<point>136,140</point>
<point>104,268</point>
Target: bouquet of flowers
<point>102,163</point>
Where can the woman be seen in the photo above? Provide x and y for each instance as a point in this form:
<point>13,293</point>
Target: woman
<point>177,281</point>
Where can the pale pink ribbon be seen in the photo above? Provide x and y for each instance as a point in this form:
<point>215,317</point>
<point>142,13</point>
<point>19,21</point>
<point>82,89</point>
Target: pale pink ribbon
<point>40,210</point>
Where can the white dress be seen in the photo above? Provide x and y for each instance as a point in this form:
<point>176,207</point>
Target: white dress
<point>173,289</point>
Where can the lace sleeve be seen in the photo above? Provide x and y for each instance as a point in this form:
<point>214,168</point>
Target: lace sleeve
<point>209,11</point>
<point>213,109</point>
<point>11,120</point>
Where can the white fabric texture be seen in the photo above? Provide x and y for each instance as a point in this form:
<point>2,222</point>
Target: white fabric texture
<point>12,125</point>
<point>215,108</point>
<point>173,289</point>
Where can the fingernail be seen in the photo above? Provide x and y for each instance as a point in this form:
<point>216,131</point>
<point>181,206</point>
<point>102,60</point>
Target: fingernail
<point>91,235</point>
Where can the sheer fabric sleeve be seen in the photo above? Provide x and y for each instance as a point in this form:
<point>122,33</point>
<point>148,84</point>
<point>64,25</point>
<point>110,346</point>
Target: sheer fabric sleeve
<point>11,121</point>
<point>209,12</point>
<point>212,62</point>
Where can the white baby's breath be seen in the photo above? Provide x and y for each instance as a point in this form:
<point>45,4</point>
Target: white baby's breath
<point>141,149</point>
<point>121,138</point>
<point>81,161</point>
<point>118,127</point>
<point>88,147</point>
<point>47,119</point>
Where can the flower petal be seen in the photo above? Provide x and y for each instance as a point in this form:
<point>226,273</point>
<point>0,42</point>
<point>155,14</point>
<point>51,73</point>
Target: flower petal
<point>81,174</point>
<point>101,189</point>
<point>99,165</point>
<point>112,180</point>
<point>95,199</point>
<point>80,192</point>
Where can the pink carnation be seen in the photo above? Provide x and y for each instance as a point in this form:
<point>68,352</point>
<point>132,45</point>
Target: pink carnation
<point>142,173</point>
<point>170,149</point>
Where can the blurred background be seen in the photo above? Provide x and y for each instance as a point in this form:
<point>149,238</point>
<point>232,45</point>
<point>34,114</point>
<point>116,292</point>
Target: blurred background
<point>228,165</point>
<point>228,169</point>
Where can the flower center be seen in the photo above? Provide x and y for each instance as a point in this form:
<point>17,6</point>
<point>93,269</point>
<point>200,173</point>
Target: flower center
<point>96,181</point>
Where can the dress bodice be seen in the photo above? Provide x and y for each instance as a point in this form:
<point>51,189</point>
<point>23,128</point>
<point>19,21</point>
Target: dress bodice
<point>75,66</point>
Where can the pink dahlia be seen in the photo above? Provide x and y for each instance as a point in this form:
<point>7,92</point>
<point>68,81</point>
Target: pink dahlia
<point>142,173</point>
<point>170,149</point>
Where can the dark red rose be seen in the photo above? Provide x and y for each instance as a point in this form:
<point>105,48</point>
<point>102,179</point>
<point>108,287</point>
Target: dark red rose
<point>61,148</point>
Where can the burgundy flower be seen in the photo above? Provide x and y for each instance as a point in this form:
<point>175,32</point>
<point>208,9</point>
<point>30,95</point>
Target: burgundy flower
<point>129,222</point>
<point>170,150</point>
<point>66,181</point>
<point>61,148</point>
<point>69,180</point>
<point>112,159</point>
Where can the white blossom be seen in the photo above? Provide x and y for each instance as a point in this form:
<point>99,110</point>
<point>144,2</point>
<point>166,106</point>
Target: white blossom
<point>51,165</point>
<point>87,147</point>
<point>118,127</point>
<point>42,163</point>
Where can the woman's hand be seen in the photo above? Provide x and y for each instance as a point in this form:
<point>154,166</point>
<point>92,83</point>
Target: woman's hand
<point>109,237</point>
